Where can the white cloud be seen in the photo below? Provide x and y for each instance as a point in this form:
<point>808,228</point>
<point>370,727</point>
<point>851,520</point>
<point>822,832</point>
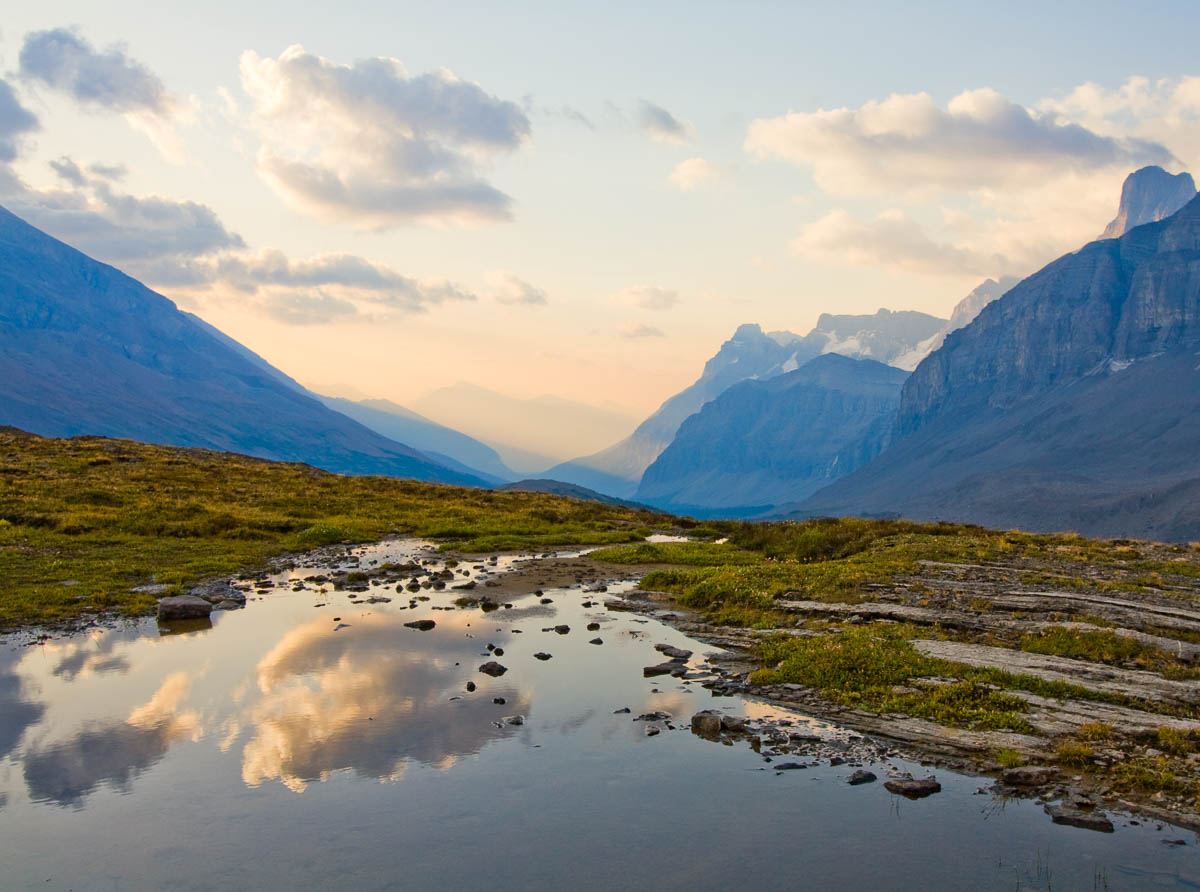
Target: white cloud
<point>662,126</point>
<point>634,331</point>
<point>109,80</point>
<point>294,308</point>
<point>647,297</point>
<point>513,291</point>
<point>907,143</point>
<point>694,172</point>
<point>369,146</point>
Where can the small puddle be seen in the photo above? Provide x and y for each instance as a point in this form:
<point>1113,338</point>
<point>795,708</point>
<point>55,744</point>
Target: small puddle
<point>316,740</point>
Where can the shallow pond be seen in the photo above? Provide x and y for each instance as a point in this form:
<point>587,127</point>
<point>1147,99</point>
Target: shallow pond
<point>311,742</point>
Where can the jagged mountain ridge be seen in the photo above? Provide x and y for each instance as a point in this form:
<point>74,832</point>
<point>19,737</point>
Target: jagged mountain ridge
<point>750,353</point>
<point>85,349</point>
<point>1073,402</point>
<point>765,442</point>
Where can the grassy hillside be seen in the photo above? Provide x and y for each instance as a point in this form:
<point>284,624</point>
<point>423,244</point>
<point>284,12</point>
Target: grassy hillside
<point>85,520</point>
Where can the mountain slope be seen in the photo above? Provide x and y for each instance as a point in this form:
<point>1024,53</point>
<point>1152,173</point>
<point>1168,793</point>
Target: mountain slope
<point>85,349</point>
<point>750,353</point>
<point>444,444</point>
<point>762,443</point>
<point>1071,403</point>
<point>1147,196</point>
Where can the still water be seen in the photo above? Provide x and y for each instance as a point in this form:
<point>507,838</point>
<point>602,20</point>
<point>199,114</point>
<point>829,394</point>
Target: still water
<point>310,742</point>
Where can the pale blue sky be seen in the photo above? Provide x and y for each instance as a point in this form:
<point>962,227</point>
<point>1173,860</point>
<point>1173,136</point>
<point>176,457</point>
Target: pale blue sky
<point>595,216</point>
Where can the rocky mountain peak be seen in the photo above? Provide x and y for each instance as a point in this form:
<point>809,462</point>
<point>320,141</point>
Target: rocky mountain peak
<point>1149,195</point>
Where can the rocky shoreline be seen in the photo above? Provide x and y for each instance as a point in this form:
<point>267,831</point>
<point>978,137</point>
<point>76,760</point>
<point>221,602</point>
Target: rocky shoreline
<point>1076,799</point>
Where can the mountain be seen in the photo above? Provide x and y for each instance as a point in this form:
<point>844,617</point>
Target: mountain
<point>1073,402</point>
<point>750,353</point>
<point>558,488</point>
<point>85,349</point>
<point>529,434</point>
<point>443,444</point>
<point>1149,195</point>
<point>964,312</point>
<point>763,443</point>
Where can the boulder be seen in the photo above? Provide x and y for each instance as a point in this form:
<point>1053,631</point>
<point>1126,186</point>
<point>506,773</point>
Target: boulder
<point>423,625</point>
<point>861,777</point>
<point>183,607</point>
<point>492,668</point>
<point>707,724</point>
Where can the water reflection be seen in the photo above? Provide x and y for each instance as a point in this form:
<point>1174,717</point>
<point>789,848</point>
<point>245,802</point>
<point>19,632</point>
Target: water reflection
<point>66,773</point>
<point>369,698</point>
<point>16,713</point>
<point>92,653</point>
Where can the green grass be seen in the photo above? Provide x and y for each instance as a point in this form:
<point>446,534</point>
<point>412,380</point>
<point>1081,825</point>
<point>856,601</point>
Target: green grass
<point>687,554</point>
<point>1102,646</point>
<point>84,520</point>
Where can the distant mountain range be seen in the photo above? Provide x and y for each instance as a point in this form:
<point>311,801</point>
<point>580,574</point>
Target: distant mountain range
<point>85,349</point>
<point>763,442</point>
<point>750,353</point>
<point>1071,403</point>
<point>530,435</point>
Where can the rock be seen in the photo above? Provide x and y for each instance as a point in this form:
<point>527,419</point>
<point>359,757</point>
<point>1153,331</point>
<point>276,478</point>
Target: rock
<point>228,605</point>
<point>861,777</point>
<point>913,787</point>
<point>732,723</point>
<point>423,625</point>
<point>547,601</point>
<point>470,686</point>
<point>514,720</point>
<point>624,710</point>
<point>837,760</point>
<point>499,701</point>
<point>707,723</point>
<point>675,653</point>
<point>651,731</point>
<point>183,607</point>
<point>154,588</point>
<point>790,766</point>
<point>653,717</point>
<point>1078,817</point>
<point>542,656</point>
<point>1029,776</point>
<point>593,627</point>
<point>562,630</point>
<point>492,668</point>
<point>498,651</point>
<point>664,669</point>
<point>216,592</point>
<point>596,641</point>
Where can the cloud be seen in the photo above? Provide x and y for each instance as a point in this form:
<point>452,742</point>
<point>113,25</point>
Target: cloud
<point>907,143</point>
<point>641,331</point>
<point>15,122</point>
<point>694,172</point>
<point>647,297</point>
<point>892,240</point>
<point>117,227</point>
<point>64,60</point>
<point>513,291</point>
<point>307,309</point>
<point>369,146</point>
<point>662,126</point>
<point>329,285</point>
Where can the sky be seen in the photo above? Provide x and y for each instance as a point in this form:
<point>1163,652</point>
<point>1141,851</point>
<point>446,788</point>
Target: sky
<point>383,199</point>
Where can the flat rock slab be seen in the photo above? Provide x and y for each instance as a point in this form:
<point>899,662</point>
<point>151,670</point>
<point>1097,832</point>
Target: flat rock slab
<point>1130,682</point>
<point>1078,817</point>
<point>183,607</point>
<point>1029,776</point>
